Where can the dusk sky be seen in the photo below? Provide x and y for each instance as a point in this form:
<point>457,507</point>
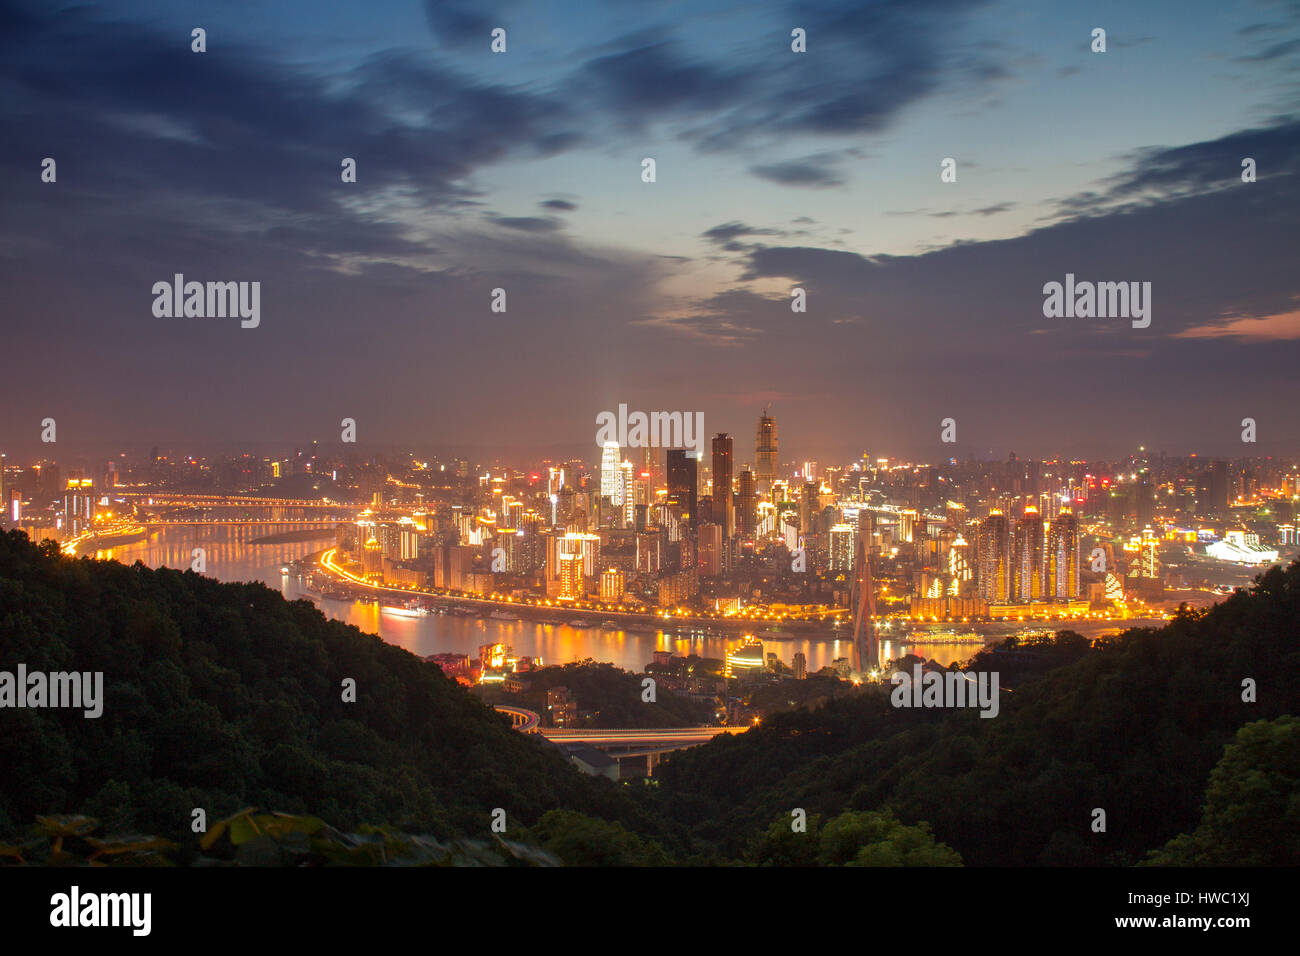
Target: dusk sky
<point>775,170</point>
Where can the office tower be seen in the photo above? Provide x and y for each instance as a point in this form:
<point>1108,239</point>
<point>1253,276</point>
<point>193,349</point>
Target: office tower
<point>1029,554</point>
<point>78,505</point>
<point>808,507</point>
<point>585,546</point>
<point>571,585</point>
<point>960,564</point>
<point>866,525</point>
<point>907,525</point>
<point>800,666</point>
<point>765,453</point>
<point>722,490</point>
<point>1063,556</point>
<point>866,646</point>
<point>1149,554</point>
<point>611,584</point>
<point>649,551</point>
<point>746,504</point>
<point>372,560</point>
<point>626,495</point>
<point>843,537</point>
<point>683,484</point>
<point>710,551</point>
<point>993,551</point>
<point>1220,487</point>
<point>609,461</point>
<point>554,480</point>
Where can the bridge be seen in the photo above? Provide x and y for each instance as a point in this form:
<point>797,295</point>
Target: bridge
<point>523,720</point>
<point>230,501</point>
<point>639,741</point>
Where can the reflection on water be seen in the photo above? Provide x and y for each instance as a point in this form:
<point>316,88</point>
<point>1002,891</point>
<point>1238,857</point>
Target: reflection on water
<point>231,556</point>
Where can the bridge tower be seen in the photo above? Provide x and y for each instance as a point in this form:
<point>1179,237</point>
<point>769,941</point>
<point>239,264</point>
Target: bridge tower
<point>866,646</point>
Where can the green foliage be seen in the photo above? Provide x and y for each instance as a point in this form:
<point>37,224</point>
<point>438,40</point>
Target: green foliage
<point>256,838</point>
<point>1252,805</point>
<point>580,840</point>
<point>223,696</point>
<point>854,839</point>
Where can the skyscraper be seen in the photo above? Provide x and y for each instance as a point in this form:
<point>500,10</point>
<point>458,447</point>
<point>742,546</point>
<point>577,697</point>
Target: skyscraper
<point>1030,557</point>
<point>723,509</point>
<point>765,451</point>
<point>993,547</point>
<point>746,504</point>
<point>609,461</point>
<point>683,485</point>
<point>1063,556</point>
<point>866,647</point>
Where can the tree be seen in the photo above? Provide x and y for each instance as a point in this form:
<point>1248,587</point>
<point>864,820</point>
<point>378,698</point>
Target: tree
<point>1252,803</point>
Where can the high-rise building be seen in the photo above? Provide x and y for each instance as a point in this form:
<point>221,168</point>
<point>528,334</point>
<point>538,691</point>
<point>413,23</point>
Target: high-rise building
<point>1030,557</point>
<point>626,495</point>
<point>765,453</point>
<point>843,537</point>
<point>993,552</point>
<point>683,485</point>
<point>78,505</point>
<point>710,551</point>
<point>609,462</point>
<point>571,583</point>
<point>722,490</point>
<point>746,504</point>
<point>1063,556</point>
<point>611,584</point>
<point>907,525</point>
<point>800,666</point>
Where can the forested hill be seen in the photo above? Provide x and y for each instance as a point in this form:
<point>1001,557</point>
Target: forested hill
<point>1134,728</point>
<point>221,696</point>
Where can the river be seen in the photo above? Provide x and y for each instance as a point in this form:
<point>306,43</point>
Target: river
<point>231,556</point>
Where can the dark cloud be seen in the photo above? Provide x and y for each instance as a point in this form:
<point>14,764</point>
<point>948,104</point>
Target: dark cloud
<point>559,205</point>
<point>461,21</point>
<point>799,172</point>
<point>526,223</point>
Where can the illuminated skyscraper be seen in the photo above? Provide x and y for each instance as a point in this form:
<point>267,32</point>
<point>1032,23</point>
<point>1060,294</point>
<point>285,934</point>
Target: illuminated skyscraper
<point>866,646</point>
<point>994,556</point>
<point>959,563</point>
<point>1063,556</point>
<point>626,494</point>
<point>1029,553</point>
<point>78,505</point>
<point>843,537</point>
<point>907,525</point>
<point>765,453</point>
<point>609,461</point>
<point>571,585</point>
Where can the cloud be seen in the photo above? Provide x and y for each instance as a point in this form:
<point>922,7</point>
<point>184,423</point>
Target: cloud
<point>1269,328</point>
<point>811,172</point>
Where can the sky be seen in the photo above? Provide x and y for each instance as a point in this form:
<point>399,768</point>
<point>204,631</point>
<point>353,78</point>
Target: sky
<point>775,170</point>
